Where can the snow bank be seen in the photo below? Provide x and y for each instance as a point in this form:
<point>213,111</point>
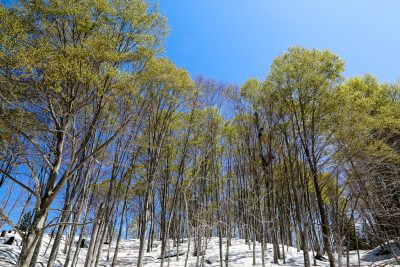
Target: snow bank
<point>239,255</point>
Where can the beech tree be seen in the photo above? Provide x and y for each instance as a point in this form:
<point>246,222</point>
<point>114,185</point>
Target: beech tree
<point>66,64</point>
<point>102,138</point>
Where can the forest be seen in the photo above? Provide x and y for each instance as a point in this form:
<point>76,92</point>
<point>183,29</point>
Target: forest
<point>103,139</point>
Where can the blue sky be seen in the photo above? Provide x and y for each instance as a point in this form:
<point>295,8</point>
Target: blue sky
<point>232,40</point>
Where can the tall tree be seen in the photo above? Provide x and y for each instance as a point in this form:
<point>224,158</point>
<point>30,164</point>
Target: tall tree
<point>66,64</point>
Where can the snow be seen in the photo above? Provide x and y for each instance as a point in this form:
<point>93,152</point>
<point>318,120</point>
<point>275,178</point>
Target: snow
<point>239,255</point>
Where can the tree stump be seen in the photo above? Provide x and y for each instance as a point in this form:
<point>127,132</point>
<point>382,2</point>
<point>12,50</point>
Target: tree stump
<point>10,241</point>
<point>83,243</point>
<point>52,234</point>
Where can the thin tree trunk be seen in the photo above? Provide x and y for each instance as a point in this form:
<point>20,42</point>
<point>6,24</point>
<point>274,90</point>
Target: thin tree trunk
<point>114,261</point>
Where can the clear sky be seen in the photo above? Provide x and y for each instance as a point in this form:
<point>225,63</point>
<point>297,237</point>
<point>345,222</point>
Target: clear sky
<point>232,40</point>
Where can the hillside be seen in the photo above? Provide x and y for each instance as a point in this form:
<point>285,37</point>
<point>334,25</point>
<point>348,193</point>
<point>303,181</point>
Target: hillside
<point>240,254</point>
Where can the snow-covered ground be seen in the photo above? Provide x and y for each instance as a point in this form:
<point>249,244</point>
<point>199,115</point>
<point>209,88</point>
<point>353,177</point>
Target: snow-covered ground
<point>239,255</point>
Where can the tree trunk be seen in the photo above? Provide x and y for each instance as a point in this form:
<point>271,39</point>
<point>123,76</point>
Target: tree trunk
<point>143,227</point>
<point>31,240</point>
<point>114,261</point>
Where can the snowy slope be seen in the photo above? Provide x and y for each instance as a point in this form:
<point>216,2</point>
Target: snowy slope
<point>239,255</point>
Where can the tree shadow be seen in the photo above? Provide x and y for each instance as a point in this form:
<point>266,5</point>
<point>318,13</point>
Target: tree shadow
<point>8,255</point>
